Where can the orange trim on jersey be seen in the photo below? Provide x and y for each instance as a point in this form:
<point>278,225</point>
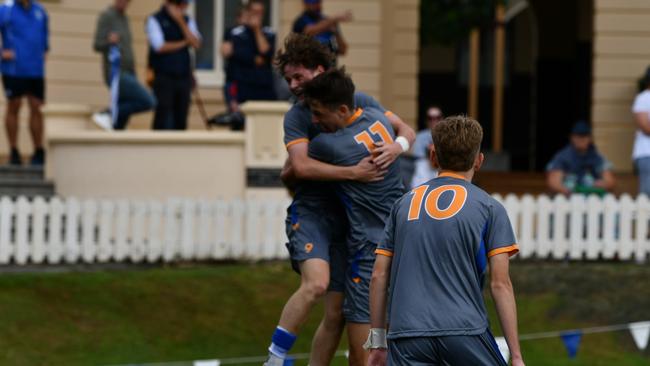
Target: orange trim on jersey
<point>511,250</point>
<point>297,141</point>
<point>388,113</point>
<point>384,252</point>
<point>354,117</point>
<point>452,175</point>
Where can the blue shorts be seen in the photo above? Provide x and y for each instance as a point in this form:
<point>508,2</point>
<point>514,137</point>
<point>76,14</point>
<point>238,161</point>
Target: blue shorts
<point>314,234</point>
<point>356,305</point>
<point>16,87</point>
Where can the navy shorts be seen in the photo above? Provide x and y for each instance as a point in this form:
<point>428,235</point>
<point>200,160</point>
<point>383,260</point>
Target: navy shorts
<point>16,87</point>
<point>479,350</point>
<point>356,305</point>
<point>312,235</point>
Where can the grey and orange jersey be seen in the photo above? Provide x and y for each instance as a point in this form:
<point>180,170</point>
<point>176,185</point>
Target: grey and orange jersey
<point>299,128</point>
<point>440,237</point>
<point>367,204</point>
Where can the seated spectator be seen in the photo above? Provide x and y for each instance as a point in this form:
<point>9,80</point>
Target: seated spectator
<point>132,97</point>
<point>250,69</point>
<point>579,167</point>
<point>325,29</point>
<point>423,170</point>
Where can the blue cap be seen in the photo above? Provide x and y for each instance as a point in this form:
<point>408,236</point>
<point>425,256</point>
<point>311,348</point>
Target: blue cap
<point>581,128</point>
<point>311,2</point>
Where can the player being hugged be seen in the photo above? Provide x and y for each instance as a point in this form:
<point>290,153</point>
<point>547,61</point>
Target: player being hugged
<point>351,135</point>
<point>439,240</point>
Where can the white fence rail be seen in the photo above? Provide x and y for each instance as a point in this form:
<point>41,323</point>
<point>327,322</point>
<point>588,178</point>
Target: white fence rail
<point>95,231</point>
<point>100,231</point>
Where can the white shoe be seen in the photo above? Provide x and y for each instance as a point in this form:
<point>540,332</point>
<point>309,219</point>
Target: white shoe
<point>103,120</point>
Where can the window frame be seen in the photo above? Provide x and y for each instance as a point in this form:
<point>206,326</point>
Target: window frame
<point>215,78</point>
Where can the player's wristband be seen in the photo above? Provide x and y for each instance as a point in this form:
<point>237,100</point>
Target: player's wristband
<point>376,339</point>
<point>403,142</point>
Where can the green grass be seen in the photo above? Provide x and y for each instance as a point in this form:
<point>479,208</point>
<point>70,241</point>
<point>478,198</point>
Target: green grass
<point>229,310</point>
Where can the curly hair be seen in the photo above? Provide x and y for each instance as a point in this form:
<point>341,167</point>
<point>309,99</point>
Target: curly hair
<point>301,49</point>
<point>332,89</point>
<point>457,140</point>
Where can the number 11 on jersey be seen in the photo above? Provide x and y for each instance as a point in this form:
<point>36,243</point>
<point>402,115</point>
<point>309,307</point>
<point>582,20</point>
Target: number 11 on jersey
<point>377,129</point>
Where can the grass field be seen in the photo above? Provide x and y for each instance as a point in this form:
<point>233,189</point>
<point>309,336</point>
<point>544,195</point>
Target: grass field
<point>229,310</point>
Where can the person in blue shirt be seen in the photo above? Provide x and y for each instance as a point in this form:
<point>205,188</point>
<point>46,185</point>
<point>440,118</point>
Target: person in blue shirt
<point>24,29</point>
<point>579,167</point>
<point>325,29</point>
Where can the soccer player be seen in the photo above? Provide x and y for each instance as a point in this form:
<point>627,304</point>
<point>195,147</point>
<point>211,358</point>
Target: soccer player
<point>438,243</point>
<point>315,220</point>
<point>352,135</point>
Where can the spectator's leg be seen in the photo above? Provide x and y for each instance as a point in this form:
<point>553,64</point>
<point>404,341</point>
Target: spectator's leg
<point>133,98</point>
<point>164,93</point>
<point>643,165</point>
<point>182,100</point>
<point>11,121</point>
<point>36,121</point>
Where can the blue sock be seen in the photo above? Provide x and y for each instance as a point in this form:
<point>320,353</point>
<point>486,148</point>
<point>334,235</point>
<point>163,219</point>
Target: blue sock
<point>282,341</point>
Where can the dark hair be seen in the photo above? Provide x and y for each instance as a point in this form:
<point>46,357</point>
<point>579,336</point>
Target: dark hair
<point>332,89</point>
<point>457,140</point>
<point>303,50</point>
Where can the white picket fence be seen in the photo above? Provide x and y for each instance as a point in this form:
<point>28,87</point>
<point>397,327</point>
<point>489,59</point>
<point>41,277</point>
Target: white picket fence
<point>100,231</point>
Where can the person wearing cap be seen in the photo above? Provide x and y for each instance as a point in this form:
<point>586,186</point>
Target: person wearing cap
<point>421,150</point>
<point>641,151</point>
<point>25,32</point>
<point>579,167</point>
<point>171,34</point>
<point>325,29</point>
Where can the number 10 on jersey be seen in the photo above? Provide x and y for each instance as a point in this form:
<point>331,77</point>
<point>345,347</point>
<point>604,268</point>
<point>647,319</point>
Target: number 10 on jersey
<point>431,202</point>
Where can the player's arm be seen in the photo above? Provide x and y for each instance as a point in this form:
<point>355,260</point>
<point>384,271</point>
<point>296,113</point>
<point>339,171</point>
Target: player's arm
<point>305,167</point>
<point>378,296</point>
<point>504,299</point>
<point>387,154</point>
<point>607,182</point>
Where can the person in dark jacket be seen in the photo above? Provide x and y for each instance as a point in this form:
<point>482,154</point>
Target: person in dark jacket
<point>250,66</point>
<point>171,33</point>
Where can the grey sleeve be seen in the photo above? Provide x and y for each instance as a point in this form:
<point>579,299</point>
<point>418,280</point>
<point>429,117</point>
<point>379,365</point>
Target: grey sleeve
<point>363,100</point>
<point>295,129</point>
<point>387,244</point>
<point>499,236</point>
<point>320,149</point>
<point>100,43</point>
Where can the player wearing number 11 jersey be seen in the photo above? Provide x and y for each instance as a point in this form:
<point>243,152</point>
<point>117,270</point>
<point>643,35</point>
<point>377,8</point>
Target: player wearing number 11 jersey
<point>439,241</point>
<point>352,135</point>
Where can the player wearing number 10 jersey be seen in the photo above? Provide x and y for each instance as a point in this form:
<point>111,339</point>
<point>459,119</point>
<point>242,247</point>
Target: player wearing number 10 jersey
<point>352,135</point>
<point>439,241</point>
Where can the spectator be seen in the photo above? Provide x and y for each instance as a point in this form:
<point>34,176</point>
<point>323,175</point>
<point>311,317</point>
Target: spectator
<point>579,167</point>
<point>226,51</point>
<point>326,29</point>
<point>421,150</point>
<point>641,152</point>
<point>253,46</point>
<point>171,33</point>
<point>25,33</point>
<point>113,30</point>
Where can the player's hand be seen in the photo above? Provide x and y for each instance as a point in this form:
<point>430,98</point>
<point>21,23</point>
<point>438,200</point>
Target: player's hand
<point>385,154</point>
<point>367,171</point>
<point>377,357</point>
<point>8,54</point>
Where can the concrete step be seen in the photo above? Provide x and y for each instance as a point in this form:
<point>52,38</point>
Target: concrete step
<point>22,173</point>
<point>28,188</point>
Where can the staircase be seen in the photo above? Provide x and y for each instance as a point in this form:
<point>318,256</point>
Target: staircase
<point>24,181</point>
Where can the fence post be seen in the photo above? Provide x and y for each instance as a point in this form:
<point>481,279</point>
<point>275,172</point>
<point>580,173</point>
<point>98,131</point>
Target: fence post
<point>55,237</point>
<point>544,244</point>
<point>641,236</point>
<point>138,246</point>
<point>89,224</point>
<point>560,212</point>
<point>220,244</point>
<point>38,230</point>
<point>105,248</point>
<point>6,222</point>
<point>611,227</point>
<point>154,247</point>
<point>187,229</point>
<point>528,245</point>
<point>626,246</point>
<point>594,222</point>
<point>122,221</point>
<point>22,245</point>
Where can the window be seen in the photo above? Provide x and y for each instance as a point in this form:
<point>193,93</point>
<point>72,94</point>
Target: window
<point>213,18</point>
